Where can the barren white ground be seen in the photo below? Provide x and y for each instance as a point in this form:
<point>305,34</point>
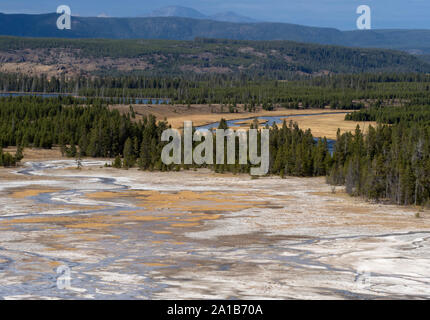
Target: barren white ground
<point>198,235</point>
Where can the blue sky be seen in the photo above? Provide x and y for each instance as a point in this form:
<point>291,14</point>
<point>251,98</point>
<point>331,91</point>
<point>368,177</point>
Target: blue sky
<point>340,14</point>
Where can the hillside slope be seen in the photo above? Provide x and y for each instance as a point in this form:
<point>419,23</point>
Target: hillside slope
<point>176,28</point>
<point>271,59</point>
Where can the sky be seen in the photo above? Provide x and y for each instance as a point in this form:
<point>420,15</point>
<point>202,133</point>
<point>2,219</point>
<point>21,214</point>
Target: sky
<point>341,14</point>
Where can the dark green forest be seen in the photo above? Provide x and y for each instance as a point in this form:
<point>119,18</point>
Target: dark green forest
<point>335,91</point>
<point>91,130</point>
<point>391,162</point>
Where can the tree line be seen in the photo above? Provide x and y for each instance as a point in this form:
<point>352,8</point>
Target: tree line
<point>333,91</point>
<point>90,130</point>
<point>390,162</point>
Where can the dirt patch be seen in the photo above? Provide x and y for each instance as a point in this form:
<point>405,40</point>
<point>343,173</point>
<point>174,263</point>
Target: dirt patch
<point>64,62</point>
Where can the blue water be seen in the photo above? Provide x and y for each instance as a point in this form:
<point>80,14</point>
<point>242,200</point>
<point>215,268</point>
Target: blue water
<point>43,95</point>
<point>270,121</point>
<point>148,101</point>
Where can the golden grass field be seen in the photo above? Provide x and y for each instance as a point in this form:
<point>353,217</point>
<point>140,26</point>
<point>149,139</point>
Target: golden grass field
<point>321,126</point>
<point>327,125</point>
<point>37,154</point>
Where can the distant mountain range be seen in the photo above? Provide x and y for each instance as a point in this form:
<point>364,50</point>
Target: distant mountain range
<point>185,28</point>
<point>184,12</point>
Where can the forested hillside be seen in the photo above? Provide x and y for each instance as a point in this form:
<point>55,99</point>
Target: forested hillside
<point>269,59</point>
<point>176,28</point>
